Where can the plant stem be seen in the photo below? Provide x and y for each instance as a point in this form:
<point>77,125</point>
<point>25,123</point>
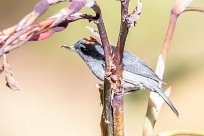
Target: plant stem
<point>182,133</point>
<point>197,9</point>
<point>118,100</point>
<point>169,35</point>
<point>118,114</point>
<point>107,114</point>
<point>154,104</point>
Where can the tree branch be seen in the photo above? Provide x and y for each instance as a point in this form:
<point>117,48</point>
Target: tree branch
<point>118,99</point>
<point>127,20</point>
<point>104,38</point>
<point>107,117</point>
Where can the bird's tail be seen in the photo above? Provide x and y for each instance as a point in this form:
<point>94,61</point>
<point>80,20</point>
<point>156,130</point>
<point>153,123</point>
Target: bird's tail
<point>166,99</point>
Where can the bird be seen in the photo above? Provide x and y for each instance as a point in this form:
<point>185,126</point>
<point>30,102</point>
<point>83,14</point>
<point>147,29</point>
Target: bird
<point>136,74</point>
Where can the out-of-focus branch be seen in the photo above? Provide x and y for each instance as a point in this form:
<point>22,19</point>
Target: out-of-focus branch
<point>178,8</point>
<point>27,25</point>
<point>42,6</point>
<point>9,76</point>
<point>182,133</point>
<point>155,104</point>
<point>40,31</point>
<point>28,30</point>
<point>197,9</point>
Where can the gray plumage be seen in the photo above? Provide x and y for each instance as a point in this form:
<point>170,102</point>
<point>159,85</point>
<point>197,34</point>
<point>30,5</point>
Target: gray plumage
<point>136,74</point>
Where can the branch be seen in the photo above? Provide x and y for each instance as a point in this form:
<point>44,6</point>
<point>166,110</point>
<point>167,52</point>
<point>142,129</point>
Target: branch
<point>118,99</point>
<point>154,107</point>
<point>127,20</point>
<point>113,74</point>
<point>43,30</point>
<point>42,6</point>
<point>182,133</point>
<point>154,104</point>
<point>9,76</point>
<point>28,30</point>
<point>104,38</point>
<point>106,118</point>
<point>197,9</point>
<point>178,9</point>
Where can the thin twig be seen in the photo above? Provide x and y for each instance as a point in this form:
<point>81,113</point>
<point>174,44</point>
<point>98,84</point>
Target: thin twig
<point>197,9</point>
<point>9,76</point>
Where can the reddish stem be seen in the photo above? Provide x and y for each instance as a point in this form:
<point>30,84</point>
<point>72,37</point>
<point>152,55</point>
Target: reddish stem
<point>107,117</point>
<point>169,35</point>
<point>118,100</point>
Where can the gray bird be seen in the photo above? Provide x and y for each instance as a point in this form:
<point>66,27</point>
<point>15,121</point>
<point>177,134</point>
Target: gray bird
<point>136,74</point>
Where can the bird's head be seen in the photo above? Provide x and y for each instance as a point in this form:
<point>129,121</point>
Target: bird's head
<point>88,51</point>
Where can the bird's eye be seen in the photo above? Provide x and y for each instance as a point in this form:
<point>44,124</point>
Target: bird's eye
<point>83,49</point>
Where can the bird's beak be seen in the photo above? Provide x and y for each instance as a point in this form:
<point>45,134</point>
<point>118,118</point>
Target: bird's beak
<point>71,48</point>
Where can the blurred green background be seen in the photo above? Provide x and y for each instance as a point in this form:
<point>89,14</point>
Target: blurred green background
<point>59,96</point>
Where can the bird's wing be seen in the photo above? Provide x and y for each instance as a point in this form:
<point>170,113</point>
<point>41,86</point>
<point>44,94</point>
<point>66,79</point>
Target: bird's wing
<point>135,81</point>
<point>133,64</point>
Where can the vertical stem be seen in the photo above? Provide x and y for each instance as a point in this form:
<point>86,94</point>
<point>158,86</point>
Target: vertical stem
<point>107,114</point>
<point>118,114</point>
<point>118,101</point>
<point>169,35</point>
<point>151,115</point>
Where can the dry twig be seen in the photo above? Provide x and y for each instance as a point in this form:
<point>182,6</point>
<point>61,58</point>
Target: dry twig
<point>11,82</point>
